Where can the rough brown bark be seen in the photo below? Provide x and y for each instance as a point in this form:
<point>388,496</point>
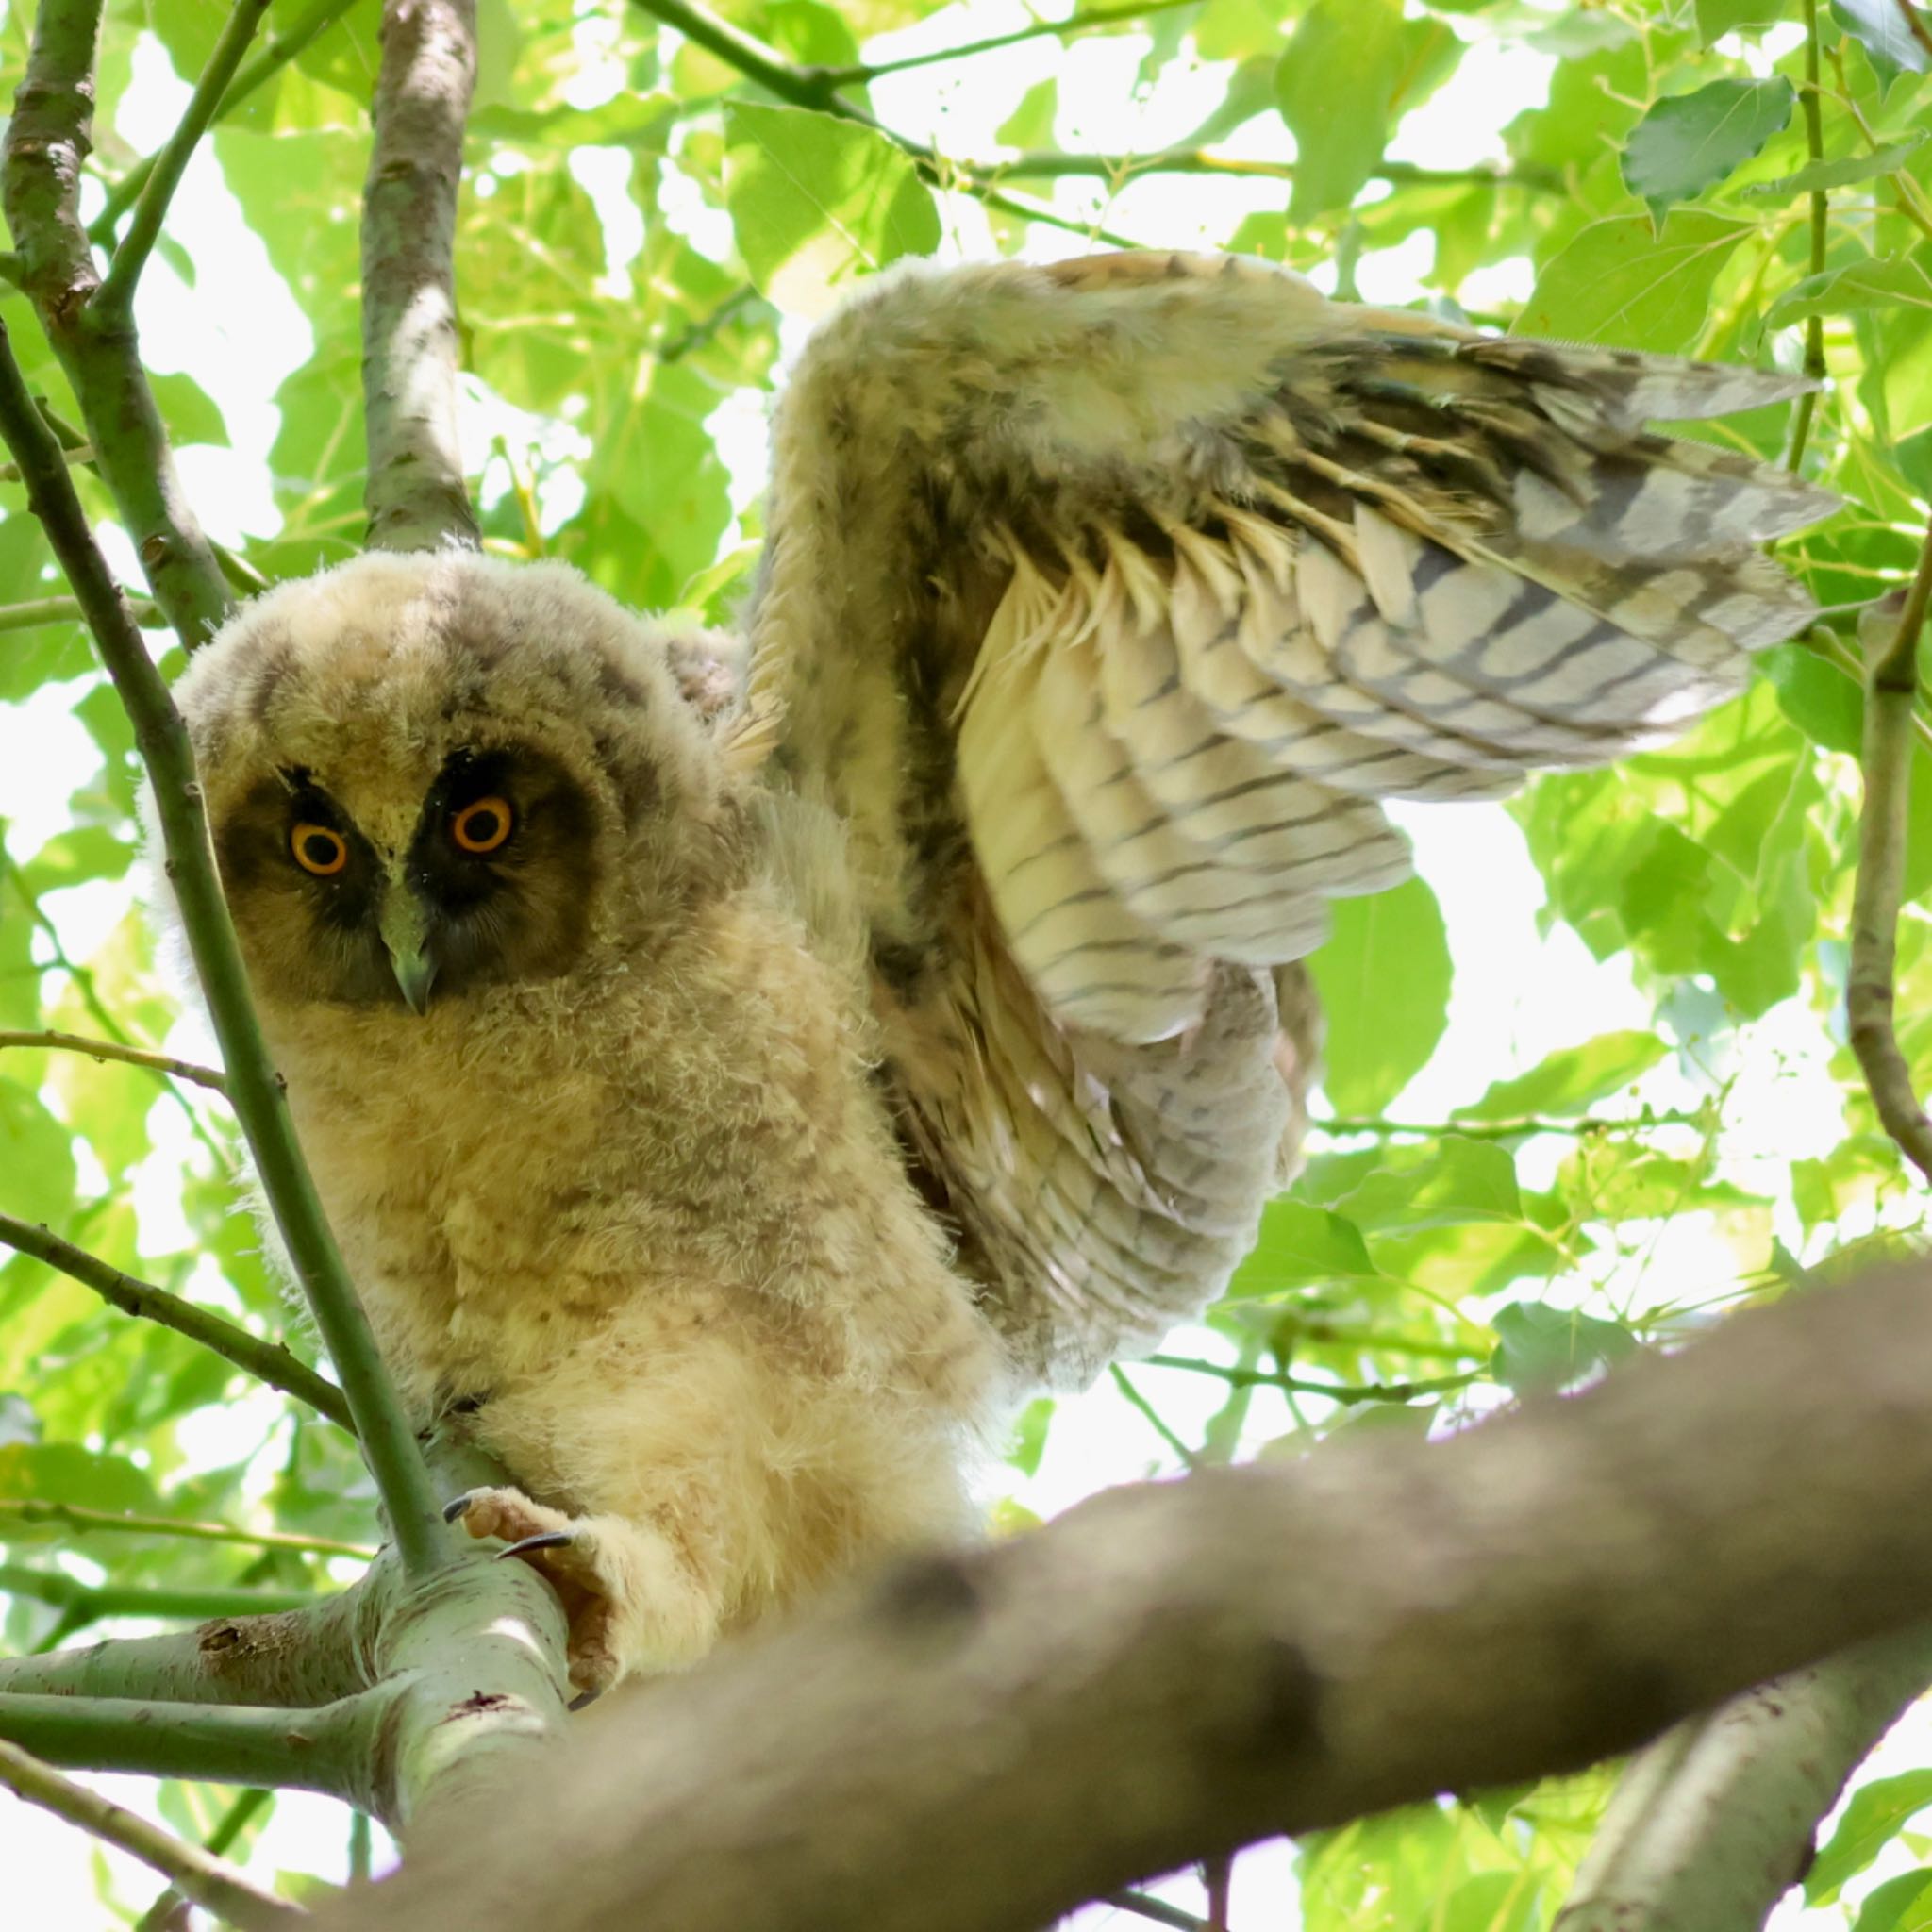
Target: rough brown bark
<point>1175,1669</point>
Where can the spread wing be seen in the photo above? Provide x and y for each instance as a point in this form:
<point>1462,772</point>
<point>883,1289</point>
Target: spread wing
<point>1105,602</point>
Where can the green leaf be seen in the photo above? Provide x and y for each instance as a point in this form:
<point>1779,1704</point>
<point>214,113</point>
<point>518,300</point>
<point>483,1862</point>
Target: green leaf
<point>1716,18</point>
<point>65,1473</point>
<point>1568,1080</point>
<point>1300,1245</point>
<point>1029,1435</point>
<point>1384,980</point>
<point>1030,124</point>
<point>1822,701</point>
<point>36,1157</point>
<point>191,413</point>
<point>1687,142</point>
<point>1352,70</point>
<point>1884,282</point>
<point>1622,281</point>
<point>1900,1905</point>
<point>816,201</point>
<point>1542,1347</point>
<point>1879,29</point>
<point>1457,1180</point>
<point>1843,172</point>
<point>1877,1812</point>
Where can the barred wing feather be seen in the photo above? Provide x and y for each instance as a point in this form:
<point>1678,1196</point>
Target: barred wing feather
<point>1107,601</point>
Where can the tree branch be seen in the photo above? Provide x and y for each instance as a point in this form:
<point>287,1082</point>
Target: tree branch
<point>1174,1670</point>
<point>1891,692</point>
<point>816,89</point>
<point>415,492</point>
<point>197,1875</point>
<point>39,611</point>
<point>46,142</point>
<point>1075,24</point>
<point>1914,25</point>
<point>114,1050</point>
<point>114,298</point>
<point>254,1089</point>
<point>1714,1821</point>
<point>1052,164</point>
<point>267,1362</point>
<point>1346,1393</point>
<point>234,1821</point>
<point>97,1600</point>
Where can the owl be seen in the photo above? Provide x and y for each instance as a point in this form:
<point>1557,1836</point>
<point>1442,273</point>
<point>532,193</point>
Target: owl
<point>731,1102</point>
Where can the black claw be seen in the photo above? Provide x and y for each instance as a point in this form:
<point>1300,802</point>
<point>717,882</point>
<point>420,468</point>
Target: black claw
<point>582,1698</point>
<point>548,1540</point>
<point>459,1506</point>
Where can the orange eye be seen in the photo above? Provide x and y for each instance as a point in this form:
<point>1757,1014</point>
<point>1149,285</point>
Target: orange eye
<point>319,849</point>
<point>482,826</point>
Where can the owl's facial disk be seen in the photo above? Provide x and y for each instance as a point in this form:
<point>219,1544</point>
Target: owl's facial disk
<point>492,884</point>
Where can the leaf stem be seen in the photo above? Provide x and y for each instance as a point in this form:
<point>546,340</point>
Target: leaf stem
<point>267,1362</point>
<point>1346,1393</point>
<point>114,299</point>
<point>1189,1458</point>
<point>115,1050</point>
<point>1821,213</point>
<point>39,611</point>
<point>201,1875</point>
<point>1891,686</point>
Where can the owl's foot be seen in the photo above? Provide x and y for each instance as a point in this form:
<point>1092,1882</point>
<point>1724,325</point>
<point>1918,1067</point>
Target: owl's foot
<point>568,1552</point>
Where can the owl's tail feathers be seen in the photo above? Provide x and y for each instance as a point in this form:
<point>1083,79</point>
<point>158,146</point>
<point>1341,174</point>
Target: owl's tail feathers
<point>1432,563</point>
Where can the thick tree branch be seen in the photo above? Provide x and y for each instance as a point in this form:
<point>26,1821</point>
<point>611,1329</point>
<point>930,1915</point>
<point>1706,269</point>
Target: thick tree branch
<point>416,496</point>
<point>47,140</point>
<point>1890,693</point>
<point>254,1089</point>
<point>114,1050</point>
<point>1715,1821</point>
<point>1174,1670</point>
<point>267,1362</point>
<point>195,1873</point>
<point>115,297</point>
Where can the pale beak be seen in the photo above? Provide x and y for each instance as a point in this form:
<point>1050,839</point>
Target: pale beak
<point>404,928</point>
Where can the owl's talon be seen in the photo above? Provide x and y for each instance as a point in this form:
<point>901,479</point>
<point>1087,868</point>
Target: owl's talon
<point>546,1540</point>
<point>459,1506</point>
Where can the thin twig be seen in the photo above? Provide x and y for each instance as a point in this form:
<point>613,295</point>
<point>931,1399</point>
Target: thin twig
<point>1587,1127</point>
<point>197,1875</point>
<point>1821,212</point>
<point>277,51</point>
<point>87,1603</point>
<point>39,611</point>
<point>115,297</point>
<point>1915,26</point>
<point>1144,1905</point>
<point>1053,163</point>
<point>1891,689</point>
<point>267,1362</point>
<point>815,88</point>
<point>47,140</point>
<point>248,1806</point>
<point>1189,1458</point>
<point>1346,1393</point>
<point>115,1050</point>
<point>254,1088</point>
<point>414,492</point>
<point>83,1522</point>
<point>1088,22</point>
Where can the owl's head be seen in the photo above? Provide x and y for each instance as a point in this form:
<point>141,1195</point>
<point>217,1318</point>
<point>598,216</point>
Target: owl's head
<point>430,774</point>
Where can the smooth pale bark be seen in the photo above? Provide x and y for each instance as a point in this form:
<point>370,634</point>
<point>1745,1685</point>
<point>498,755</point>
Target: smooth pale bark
<point>1175,1669</point>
